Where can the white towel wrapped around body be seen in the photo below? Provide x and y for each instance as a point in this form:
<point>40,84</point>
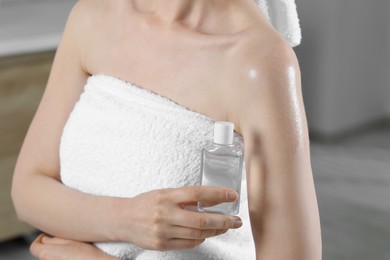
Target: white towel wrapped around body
<point>122,140</point>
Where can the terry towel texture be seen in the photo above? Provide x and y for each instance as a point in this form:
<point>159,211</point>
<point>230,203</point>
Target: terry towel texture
<point>122,140</point>
<point>283,16</point>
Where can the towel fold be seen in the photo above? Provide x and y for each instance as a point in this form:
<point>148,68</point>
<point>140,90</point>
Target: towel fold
<point>284,17</point>
<point>122,140</point>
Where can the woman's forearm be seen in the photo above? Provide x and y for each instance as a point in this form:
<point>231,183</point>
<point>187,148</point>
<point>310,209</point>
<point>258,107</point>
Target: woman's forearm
<point>48,205</point>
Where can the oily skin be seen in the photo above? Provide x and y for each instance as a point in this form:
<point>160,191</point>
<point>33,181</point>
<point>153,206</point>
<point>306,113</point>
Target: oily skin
<point>241,72</point>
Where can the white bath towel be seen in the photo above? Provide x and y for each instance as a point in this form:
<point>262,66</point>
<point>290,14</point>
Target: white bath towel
<point>283,16</point>
<point>122,140</point>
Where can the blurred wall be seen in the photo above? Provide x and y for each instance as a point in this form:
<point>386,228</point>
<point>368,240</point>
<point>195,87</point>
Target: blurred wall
<point>28,26</point>
<point>345,63</point>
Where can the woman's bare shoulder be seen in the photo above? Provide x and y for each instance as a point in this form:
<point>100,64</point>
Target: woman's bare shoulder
<point>268,83</point>
<point>81,20</point>
<point>86,22</point>
<point>87,15</point>
<point>94,8</point>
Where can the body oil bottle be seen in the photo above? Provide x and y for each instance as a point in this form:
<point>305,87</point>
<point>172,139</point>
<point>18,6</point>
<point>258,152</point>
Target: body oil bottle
<point>221,165</point>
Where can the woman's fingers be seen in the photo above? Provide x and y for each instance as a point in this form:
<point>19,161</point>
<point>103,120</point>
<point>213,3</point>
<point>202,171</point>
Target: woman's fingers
<point>45,251</point>
<point>55,248</point>
<point>199,220</point>
<point>55,240</point>
<point>36,246</point>
<point>206,194</point>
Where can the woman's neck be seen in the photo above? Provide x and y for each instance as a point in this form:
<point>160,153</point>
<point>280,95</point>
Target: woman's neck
<point>212,16</point>
<point>171,11</point>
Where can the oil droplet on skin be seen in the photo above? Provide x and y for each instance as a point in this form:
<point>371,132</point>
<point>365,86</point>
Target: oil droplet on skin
<point>292,89</point>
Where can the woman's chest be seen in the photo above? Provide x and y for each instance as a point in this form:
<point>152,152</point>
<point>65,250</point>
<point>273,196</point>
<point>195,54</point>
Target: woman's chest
<point>203,80</point>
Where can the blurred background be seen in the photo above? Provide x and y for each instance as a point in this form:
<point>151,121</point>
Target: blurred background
<point>345,63</point>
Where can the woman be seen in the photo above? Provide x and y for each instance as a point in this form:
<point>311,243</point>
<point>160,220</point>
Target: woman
<point>222,59</point>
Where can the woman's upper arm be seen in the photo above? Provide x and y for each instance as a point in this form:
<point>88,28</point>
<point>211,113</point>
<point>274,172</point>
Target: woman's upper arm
<point>282,199</point>
<point>40,150</point>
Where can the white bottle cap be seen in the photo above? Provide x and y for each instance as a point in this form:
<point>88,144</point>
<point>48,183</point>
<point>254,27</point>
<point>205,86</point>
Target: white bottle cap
<point>223,132</point>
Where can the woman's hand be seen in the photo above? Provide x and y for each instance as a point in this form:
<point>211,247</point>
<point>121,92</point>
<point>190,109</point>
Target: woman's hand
<point>158,220</point>
<point>56,248</point>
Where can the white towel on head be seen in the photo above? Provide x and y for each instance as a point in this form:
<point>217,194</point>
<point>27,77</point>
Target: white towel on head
<point>284,17</point>
<point>121,140</point>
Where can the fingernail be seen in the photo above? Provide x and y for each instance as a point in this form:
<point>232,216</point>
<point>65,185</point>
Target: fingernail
<point>231,195</point>
<point>237,223</point>
<point>44,239</point>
